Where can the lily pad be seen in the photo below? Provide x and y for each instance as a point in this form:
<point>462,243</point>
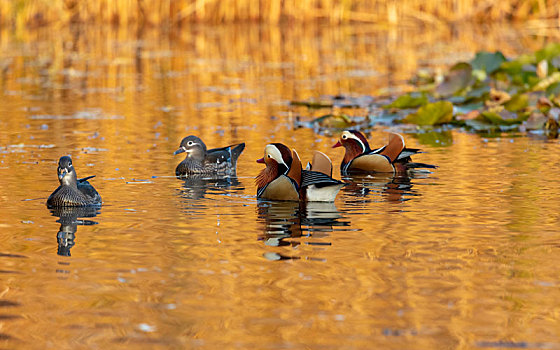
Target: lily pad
<point>478,92</point>
<point>334,121</point>
<point>459,77</point>
<point>436,113</point>
<point>548,52</point>
<point>412,100</point>
<point>546,82</point>
<point>487,61</point>
<point>502,117</point>
<point>517,102</point>
<point>313,104</point>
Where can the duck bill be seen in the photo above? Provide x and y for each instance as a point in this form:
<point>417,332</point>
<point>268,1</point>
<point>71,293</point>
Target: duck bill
<point>180,150</point>
<point>337,144</point>
<point>62,173</point>
<point>261,160</point>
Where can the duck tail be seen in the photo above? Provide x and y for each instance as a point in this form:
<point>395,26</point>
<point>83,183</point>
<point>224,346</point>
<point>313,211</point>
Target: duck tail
<point>236,151</point>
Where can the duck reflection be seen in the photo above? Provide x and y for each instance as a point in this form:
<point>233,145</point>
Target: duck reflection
<point>392,188</point>
<point>69,221</point>
<point>285,222</point>
<point>196,187</point>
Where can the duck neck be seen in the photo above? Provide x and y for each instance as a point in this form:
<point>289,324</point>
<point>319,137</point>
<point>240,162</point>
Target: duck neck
<point>352,151</point>
<point>267,175</point>
<point>70,180</point>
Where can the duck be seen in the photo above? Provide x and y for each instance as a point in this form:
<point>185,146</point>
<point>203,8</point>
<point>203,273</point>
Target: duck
<point>216,162</point>
<point>72,192</point>
<point>394,157</point>
<point>284,179</point>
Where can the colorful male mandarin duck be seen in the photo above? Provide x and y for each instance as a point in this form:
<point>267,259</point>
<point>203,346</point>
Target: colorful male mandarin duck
<point>72,192</point>
<point>217,162</point>
<point>284,179</point>
<point>391,158</point>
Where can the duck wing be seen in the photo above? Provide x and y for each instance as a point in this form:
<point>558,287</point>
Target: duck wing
<point>88,190</point>
<point>321,163</point>
<point>228,154</point>
<point>319,187</point>
<point>319,179</point>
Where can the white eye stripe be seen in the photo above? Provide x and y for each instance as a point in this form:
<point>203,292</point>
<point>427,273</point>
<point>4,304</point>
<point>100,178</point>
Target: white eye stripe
<point>272,151</point>
<point>354,137</point>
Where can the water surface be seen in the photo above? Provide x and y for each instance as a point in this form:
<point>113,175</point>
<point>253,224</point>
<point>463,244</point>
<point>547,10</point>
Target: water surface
<point>463,257</point>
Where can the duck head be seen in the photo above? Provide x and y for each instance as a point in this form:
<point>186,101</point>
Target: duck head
<point>277,156</point>
<point>193,147</point>
<point>354,142</point>
<point>279,160</point>
<point>66,173</point>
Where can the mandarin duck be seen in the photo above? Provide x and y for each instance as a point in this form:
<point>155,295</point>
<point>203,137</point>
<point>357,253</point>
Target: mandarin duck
<point>72,192</point>
<point>216,162</point>
<point>284,179</point>
<point>391,158</point>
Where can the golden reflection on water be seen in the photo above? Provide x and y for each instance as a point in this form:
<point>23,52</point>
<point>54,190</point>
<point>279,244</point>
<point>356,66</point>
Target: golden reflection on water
<point>462,257</point>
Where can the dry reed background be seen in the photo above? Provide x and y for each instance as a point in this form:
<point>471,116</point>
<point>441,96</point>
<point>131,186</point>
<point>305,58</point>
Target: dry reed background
<point>21,13</point>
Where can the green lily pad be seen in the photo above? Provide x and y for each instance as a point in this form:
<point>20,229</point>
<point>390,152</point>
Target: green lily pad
<point>464,109</point>
<point>503,117</point>
<point>459,77</point>
<point>488,62</point>
<point>412,100</point>
<point>478,93</point>
<point>553,89</point>
<point>432,114</point>
<point>517,103</point>
<point>543,84</point>
<point>549,52</point>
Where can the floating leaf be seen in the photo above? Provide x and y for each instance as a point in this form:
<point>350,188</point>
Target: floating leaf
<point>459,77</point>
<point>549,52</point>
<point>432,114</point>
<point>536,121</point>
<point>546,82</point>
<point>335,121</point>
<point>464,109</point>
<point>408,101</point>
<point>479,92</point>
<point>553,89</point>
<point>312,104</point>
<point>517,102</point>
<point>501,116</point>
<point>488,62</point>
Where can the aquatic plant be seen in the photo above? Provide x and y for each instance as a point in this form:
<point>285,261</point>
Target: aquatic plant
<point>488,93</point>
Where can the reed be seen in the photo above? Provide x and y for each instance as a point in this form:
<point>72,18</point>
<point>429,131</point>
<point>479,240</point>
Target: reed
<point>176,12</point>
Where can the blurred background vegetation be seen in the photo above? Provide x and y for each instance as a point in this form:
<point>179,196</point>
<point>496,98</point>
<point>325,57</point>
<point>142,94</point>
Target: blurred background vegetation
<point>176,12</point>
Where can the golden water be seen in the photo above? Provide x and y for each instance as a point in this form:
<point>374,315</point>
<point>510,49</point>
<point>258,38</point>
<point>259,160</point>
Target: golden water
<point>464,257</point>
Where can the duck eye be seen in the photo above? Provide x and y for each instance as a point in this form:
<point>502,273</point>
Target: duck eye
<point>269,156</point>
<point>190,143</point>
<point>344,137</point>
